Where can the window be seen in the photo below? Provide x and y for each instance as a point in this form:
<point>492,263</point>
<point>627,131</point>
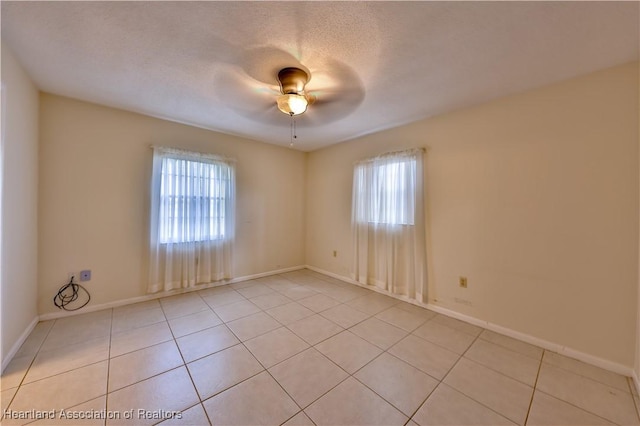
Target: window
<point>388,223</point>
<point>384,191</point>
<point>192,219</point>
<point>193,196</point>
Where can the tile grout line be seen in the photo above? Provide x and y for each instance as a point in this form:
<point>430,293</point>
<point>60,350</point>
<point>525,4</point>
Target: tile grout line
<point>329,390</point>
<point>541,360</point>
<point>460,356</point>
<point>382,397</point>
<point>586,410</point>
<point>279,362</point>
<point>263,366</point>
<point>264,369</point>
<point>449,371</point>
<point>411,333</point>
<point>146,378</point>
<point>497,372</point>
<point>425,399</point>
<point>184,362</point>
<point>462,393</point>
<point>35,355</point>
<point>61,373</point>
<point>106,396</point>
<point>535,385</point>
<point>535,389</point>
<point>77,368</point>
<point>500,372</point>
<point>384,351</point>
<point>349,375</point>
<point>577,407</point>
<point>323,340</point>
<point>284,390</point>
<point>209,354</point>
<point>232,386</point>
<point>299,412</point>
<point>508,348</point>
<point>583,375</point>
<point>633,397</point>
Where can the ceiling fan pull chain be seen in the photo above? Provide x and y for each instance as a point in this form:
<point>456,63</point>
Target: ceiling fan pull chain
<point>292,130</point>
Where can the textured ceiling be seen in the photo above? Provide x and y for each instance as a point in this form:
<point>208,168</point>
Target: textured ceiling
<point>374,65</point>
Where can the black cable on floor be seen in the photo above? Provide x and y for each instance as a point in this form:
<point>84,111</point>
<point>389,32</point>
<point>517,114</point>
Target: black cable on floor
<point>69,293</point>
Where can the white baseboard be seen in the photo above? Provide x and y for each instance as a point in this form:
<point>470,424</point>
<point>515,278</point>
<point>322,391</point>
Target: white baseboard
<point>636,381</point>
<point>536,341</point>
<point>16,346</point>
<point>122,302</point>
<point>545,344</point>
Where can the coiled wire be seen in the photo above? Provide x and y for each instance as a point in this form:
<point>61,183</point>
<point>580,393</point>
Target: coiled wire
<point>69,293</point>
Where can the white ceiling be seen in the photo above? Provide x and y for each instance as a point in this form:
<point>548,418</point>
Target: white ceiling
<point>374,65</point>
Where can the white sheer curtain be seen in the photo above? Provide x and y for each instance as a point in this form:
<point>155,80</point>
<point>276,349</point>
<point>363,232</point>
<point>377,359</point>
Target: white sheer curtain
<point>388,223</point>
<point>192,219</point>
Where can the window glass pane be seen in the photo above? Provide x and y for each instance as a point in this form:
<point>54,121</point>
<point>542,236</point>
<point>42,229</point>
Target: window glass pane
<point>386,192</point>
<point>192,200</point>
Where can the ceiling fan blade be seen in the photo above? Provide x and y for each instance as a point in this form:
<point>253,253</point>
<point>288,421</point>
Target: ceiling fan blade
<point>264,63</point>
<point>246,96</point>
<point>333,94</point>
<point>328,96</point>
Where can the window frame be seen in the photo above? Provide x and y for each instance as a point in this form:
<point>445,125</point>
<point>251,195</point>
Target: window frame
<point>220,198</point>
<point>377,188</point>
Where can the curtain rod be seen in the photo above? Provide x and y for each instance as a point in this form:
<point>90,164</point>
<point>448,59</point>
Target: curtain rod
<point>180,151</point>
<point>391,153</point>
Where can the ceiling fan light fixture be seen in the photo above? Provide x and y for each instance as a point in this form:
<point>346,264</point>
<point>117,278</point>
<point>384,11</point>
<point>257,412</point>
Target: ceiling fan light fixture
<point>292,103</point>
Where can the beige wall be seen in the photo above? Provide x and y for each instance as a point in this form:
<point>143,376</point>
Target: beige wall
<point>19,202</point>
<point>637,361</point>
<point>533,197</point>
<point>94,188</point>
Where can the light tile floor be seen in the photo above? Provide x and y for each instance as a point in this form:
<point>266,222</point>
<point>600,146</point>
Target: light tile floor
<point>298,348</point>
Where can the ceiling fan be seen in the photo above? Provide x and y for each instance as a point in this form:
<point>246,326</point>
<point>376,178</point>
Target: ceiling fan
<point>268,80</point>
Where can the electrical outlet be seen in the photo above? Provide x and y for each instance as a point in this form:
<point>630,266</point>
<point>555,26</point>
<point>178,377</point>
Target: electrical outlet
<point>463,282</point>
<point>85,275</point>
<point>335,253</point>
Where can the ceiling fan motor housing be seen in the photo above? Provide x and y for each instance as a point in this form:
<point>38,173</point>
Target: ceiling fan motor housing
<point>292,80</point>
